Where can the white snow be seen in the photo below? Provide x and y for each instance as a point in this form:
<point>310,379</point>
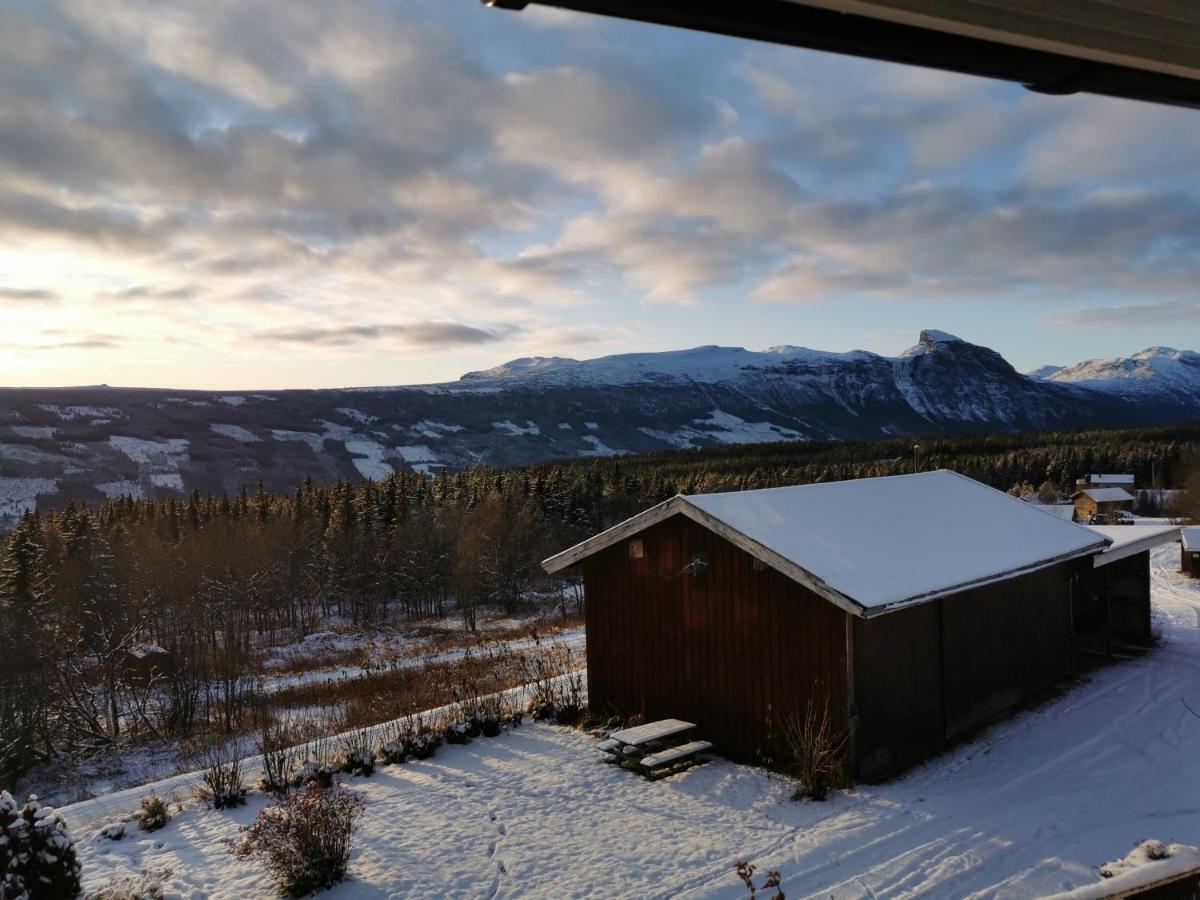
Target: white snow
<point>1155,369</point>
<point>1149,863</point>
<point>237,432</point>
<point>723,428</point>
<point>431,428</point>
<point>163,454</point>
<point>233,399</point>
<point>315,441</point>
<point>416,454</point>
<point>885,541</point>
<point>19,495</point>
<point>426,469</point>
<point>511,428</point>
<point>1108,495</point>
<point>356,415</point>
<point>368,459</point>
<point>113,489</point>
<point>1191,538</point>
<point>172,480</point>
<point>1130,539</point>
<point>565,426</point>
<point>1030,807</point>
<point>1102,480</point>
<point>599,448</point>
<point>68,413</point>
<point>33,431</point>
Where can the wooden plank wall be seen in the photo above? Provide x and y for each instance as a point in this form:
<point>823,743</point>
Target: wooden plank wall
<point>1003,642</point>
<point>898,687</point>
<point>729,649</point>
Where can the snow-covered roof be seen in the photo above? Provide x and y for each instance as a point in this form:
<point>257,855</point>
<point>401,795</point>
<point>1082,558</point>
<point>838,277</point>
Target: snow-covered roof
<point>1109,479</point>
<point>1107,495</point>
<point>875,544</point>
<point>1128,540</point>
<point>1062,510</point>
<point>1191,538</point>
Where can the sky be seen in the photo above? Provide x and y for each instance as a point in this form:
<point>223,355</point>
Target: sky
<point>240,194</point>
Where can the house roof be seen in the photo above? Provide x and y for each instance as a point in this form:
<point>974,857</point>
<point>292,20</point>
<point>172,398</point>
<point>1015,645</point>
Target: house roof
<point>875,544</point>
<point>1109,479</point>
<point>1191,538</point>
<point>1128,540</point>
<point>1062,510</point>
<point>1125,49</point>
<point>1107,495</point>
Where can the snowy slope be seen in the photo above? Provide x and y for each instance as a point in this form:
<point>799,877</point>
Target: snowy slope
<point>82,444</point>
<point>1030,807</point>
<point>1157,372</point>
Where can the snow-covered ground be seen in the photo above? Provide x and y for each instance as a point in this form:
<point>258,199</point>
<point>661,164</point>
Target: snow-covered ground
<point>1031,807</point>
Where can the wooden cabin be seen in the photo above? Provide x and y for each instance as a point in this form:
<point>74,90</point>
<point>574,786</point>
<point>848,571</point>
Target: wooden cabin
<point>1190,551</point>
<point>917,607</point>
<point>1102,504</point>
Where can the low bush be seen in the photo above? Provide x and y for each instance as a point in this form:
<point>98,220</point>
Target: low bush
<point>154,813</point>
<point>319,766</point>
<point>221,775</point>
<point>303,839</point>
<point>274,745</point>
<point>815,751</point>
<point>37,853</point>
<point>408,738</point>
<point>149,885</point>
<point>357,756</point>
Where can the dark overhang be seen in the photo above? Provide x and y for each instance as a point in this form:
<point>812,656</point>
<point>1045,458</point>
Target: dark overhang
<point>1120,48</point>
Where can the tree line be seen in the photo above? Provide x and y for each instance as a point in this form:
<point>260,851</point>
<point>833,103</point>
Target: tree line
<point>85,593</point>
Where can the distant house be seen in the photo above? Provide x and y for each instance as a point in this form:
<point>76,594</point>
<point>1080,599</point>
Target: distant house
<point>1104,504</point>
<point>917,607</point>
<point>1190,552</point>
<point>1127,482</point>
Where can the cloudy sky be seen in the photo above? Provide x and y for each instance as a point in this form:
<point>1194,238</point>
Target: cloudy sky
<point>282,194</point>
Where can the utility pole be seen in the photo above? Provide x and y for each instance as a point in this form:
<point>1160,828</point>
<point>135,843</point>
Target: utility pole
<point>916,457</point>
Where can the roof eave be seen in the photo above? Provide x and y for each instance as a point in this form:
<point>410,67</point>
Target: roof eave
<point>1048,69</point>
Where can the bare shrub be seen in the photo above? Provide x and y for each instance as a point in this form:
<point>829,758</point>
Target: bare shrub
<point>815,751</point>
<point>319,764</point>
<point>303,839</point>
<point>357,757</point>
<point>274,745</point>
<point>550,673</point>
<point>221,775</point>
<point>772,881</point>
<point>408,738</point>
<point>153,814</point>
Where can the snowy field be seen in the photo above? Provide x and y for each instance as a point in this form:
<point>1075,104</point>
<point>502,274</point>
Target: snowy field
<point>1030,808</point>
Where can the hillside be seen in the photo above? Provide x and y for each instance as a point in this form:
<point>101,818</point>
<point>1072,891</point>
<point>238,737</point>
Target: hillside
<point>92,443</point>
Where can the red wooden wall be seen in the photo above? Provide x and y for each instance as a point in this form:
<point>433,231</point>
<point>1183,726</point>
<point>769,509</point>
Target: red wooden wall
<point>728,649</point>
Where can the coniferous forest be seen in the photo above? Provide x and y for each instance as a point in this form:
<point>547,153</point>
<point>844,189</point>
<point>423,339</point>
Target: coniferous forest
<point>81,589</point>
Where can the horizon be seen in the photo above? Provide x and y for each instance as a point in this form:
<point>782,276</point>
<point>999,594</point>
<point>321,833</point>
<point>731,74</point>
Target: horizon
<point>581,359</point>
<point>392,194</point>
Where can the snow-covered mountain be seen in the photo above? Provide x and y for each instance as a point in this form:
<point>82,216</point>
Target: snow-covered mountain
<point>1160,374</point>
<point>96,442</point>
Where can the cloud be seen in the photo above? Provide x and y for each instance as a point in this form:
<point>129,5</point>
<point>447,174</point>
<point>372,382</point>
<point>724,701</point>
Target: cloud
<point>424,335</point>
<point>1176,313</point>
<point>33,296</point>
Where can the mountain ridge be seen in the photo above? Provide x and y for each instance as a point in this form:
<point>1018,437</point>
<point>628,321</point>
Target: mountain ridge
<point>87,444</point>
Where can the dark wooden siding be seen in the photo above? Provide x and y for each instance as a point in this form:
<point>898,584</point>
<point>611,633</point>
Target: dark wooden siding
<point>1003,642</point>
<point>728,649</point>
<point>898,687</point>
<point>930,672</point>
